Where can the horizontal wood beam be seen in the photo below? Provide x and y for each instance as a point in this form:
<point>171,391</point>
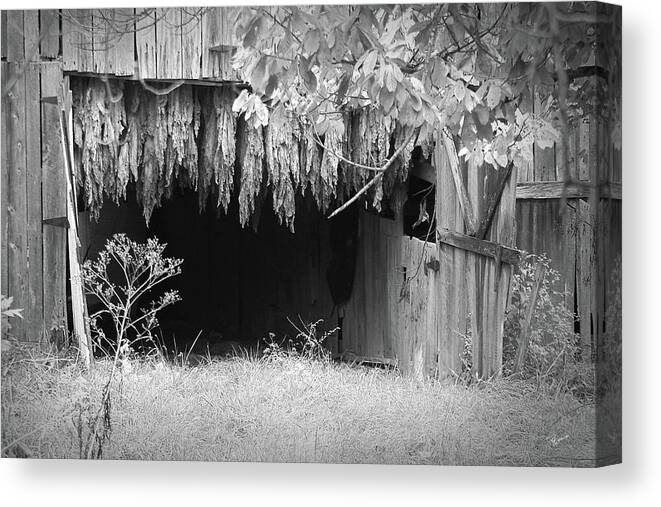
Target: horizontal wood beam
<point>479,246</point>
<point>133,77</point>
<point>576,190</point>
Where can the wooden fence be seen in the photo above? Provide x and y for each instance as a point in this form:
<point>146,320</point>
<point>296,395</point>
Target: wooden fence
<point>581,244</point>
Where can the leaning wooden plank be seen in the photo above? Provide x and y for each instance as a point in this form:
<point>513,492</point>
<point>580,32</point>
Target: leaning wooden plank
<point>34,217</point>
<point>462,195</point>
<point>75,278</point>
<point>191,42</point>
<point>479,246</point>
<point>49,33</point>
<point>145,42</point>
<point>575,190</point>
<point>53,199</point>
<point>531,304</point>
<point>168,41</point>
<point>494,201</point>
<point>17,260</point>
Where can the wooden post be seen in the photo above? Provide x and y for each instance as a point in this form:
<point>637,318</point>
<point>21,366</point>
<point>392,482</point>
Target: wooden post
<point>77,294</point>
<point>524,337</point>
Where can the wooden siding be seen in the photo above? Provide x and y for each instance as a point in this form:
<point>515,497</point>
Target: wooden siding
<point>33,254</point>
<point>418,346</point>
<point>371,314</point>
<point>162,43</point>
<point>582,245</point>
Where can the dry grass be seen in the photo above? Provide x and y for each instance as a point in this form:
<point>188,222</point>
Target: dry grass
<point>292,410</point>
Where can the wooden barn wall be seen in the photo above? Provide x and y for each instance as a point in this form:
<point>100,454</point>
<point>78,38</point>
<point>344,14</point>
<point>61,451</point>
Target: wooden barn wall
<point>33,186</point>
<point>580,246</point>
<point>164,43</point>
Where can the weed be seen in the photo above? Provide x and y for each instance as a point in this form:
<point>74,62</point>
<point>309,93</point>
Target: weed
<point>554,352</point>
<point>142,268</point>
<point>308,342</point>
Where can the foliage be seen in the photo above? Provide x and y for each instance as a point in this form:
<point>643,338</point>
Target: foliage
<point>139,269</point>
<point>554,351</point>
<point>307,344</point>
<point>8,313</point>
<point>468,69</point>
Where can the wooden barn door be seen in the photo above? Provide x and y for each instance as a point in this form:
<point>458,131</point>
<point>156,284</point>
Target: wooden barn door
<point>475,236</point>
<point>370,323</point>
<point>418,309</point>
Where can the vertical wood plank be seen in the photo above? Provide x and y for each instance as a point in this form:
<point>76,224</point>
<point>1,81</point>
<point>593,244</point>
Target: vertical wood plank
<point>584,275</point>
<point>77,40</point>
<point>145,41</point>
<point>104,41</point>
<point>168,40</point>
<point>49,29</point>
<point>191,43</point>
<point>125,45</point>
<point>34,308</point>
<point>3,34</point>
<point>568,249</point>
<point>4,179</point>
<point>53,197</point>
<point>17,260</point>
<point>31,35</point>
<point>217,31</point>
<point>15,45</point>
<point>452,285</point>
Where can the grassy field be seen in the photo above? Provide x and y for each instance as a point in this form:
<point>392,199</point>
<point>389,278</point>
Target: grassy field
<point>289,410</point>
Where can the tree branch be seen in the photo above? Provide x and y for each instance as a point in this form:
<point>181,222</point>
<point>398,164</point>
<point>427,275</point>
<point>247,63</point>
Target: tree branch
<point>381,172</point>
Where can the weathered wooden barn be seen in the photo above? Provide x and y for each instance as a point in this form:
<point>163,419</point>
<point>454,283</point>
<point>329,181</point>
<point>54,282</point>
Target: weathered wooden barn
<point>408,301</point>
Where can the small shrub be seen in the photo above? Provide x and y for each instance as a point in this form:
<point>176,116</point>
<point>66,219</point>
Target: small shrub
<point>143,267</point>
<point>554,352</point>
<point>308,343</point>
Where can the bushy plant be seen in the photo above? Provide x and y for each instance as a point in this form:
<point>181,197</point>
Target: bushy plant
<point>554,351</point>
<point>308,343</point>
<point>142,268</point>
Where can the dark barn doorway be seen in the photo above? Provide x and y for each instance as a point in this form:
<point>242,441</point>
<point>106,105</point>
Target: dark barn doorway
<point>238,286</point>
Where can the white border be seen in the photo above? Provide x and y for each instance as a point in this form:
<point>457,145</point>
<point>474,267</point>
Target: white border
<point>636,482</point>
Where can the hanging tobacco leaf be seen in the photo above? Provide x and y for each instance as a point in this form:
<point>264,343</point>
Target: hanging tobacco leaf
<point>251,161</point>
<point>225,152</point>
<point>282,164</point>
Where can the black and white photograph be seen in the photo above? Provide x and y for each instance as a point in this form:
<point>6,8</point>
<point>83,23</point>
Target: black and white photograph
<point>332,234</point>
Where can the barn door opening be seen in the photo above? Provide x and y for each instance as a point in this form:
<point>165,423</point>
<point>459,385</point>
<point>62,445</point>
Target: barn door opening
<point>475,238</point>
